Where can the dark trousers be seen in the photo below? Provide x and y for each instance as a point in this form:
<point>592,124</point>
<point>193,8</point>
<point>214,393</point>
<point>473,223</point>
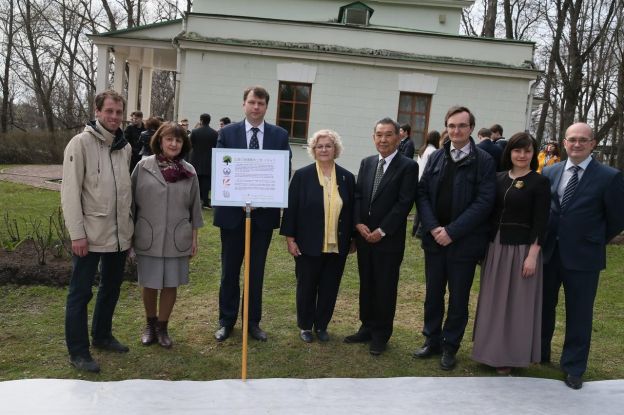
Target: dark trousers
<point>579,288</point>
<point>440,271</point>
<point>318,280</point>
<point>232,255</point>
<point>379,278</point>
<point>204,188</point>
<point>80,293</point>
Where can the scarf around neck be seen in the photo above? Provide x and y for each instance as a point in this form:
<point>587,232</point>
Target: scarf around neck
<point>172,170</point>
<point>333,206</point>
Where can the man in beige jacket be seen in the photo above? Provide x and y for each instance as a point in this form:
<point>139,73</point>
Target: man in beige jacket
<point>96,198</point>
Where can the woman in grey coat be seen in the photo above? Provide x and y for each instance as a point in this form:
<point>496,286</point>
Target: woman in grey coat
<point>167,214</point>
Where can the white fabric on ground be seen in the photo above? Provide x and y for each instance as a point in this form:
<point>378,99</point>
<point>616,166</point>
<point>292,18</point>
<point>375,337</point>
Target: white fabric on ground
<point>487,395</point>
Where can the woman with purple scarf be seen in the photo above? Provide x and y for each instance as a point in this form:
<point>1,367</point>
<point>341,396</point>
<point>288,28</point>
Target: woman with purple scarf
<point>167,214</point>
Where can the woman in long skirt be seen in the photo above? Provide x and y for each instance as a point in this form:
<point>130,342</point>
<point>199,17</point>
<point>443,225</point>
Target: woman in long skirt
<point>508,321</point>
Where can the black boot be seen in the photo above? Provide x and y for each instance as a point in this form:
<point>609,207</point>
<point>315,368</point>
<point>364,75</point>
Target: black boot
<point>163,337</point>
<point>149,334</point>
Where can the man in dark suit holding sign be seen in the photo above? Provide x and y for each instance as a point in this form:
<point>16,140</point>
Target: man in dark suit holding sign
<point>252,133</point>
<point>384,195</point>
<point>585,214</point>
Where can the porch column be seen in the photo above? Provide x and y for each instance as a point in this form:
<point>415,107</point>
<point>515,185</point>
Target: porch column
<point>133,86</point>
<point>101,82</point>
<point>146,82</point>
<point>120,71</point>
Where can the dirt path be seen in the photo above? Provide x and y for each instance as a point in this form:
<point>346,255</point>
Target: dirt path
<point>36,175</point>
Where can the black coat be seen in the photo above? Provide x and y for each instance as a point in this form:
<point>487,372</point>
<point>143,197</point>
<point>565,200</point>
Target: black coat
<point>474,190</point>
<point>305,217</point>
<point>389,207</point>
<point>203,140</point>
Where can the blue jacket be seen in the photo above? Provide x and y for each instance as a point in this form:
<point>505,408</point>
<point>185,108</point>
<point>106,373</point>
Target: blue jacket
<point>234,136</point>
<point>590,219</point>
<point>474,190</point>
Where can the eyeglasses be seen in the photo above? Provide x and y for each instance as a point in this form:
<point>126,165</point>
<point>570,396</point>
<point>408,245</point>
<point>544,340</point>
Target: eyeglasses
<point>457,126</point>
<point>582,141</point>
<point>323,147</point>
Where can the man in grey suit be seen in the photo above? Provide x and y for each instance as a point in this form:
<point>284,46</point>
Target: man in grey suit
<point>585,214</point>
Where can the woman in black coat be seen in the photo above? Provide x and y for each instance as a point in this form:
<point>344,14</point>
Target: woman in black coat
<point>318,226</point>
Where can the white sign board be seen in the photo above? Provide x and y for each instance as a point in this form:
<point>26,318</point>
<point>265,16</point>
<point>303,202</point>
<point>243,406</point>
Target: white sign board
<point>257,176</point>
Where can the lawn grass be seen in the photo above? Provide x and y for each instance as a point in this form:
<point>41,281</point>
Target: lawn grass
<point>33,342</point>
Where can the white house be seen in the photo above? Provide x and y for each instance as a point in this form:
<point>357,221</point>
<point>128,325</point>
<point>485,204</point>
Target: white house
<point>329,64</point>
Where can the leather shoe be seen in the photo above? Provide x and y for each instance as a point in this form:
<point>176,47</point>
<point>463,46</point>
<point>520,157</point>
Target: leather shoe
<point>322,335</point>
<point>257,333</point>
<point>448,360</point>
<point>111,345</point>
<point>360,337</point>
<point>427,350</point>
<point>223,333</point>
<point>84,363</point>
<point>306,336</point>
<point>377,347</point>
<point>574,382</point>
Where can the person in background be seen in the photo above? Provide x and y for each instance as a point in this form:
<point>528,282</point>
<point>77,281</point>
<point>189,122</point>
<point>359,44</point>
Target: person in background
<point>203,140</point>
<point>497,136</point>
<point>486,144</point>
<point>429,147</point>
<point>444,138</point>
<point>224,121</point>
<point>548,156</point>
<point>508,321</point>
<point>184,123</point>
<point>151,125</point>
<point>133,134</point>
<point>167,215</point>
<point>318,226</point>
<point>406,145</point>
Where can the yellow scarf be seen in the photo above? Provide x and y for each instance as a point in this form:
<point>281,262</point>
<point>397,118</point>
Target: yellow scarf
<point>333,205</point>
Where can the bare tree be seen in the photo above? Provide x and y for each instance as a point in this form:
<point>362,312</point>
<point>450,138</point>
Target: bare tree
<point>489,23</point>
<point>8,23</point>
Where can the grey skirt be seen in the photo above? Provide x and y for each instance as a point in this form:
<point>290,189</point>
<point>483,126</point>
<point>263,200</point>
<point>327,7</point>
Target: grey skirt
<point>507,331</point>
<point>159,272</point>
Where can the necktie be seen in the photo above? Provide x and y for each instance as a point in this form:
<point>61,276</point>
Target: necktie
<point>570,187</point>
<point>253,143</point>
<point>456,154</point>
<point>378,175</point>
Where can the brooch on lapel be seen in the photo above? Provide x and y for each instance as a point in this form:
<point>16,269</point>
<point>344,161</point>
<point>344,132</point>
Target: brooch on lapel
<point>519,184</point>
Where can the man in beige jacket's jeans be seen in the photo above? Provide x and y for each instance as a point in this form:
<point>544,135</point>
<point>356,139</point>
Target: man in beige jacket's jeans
<point>96,198</point>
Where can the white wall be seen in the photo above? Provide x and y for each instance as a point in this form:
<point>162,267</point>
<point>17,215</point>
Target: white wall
<point>406,13</point>
<point>346,98</point>
<point>427,45</point>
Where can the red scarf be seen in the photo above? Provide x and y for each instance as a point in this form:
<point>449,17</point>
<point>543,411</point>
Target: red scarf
<point>172,170</point>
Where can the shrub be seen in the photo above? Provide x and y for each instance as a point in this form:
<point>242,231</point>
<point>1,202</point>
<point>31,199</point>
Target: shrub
<point>33,147</point>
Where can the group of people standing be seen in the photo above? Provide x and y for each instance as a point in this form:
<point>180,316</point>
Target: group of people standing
<point>531,233</point>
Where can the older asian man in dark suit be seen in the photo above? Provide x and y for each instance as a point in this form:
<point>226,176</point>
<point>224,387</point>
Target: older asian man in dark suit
<point>253,133</point>
<point>203,140</point>
<point>585,214</point>
<point>384,195</point>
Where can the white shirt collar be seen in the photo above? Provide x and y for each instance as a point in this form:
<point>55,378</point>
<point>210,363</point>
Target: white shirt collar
<point>583,164</point>
<point>389,158</point>
<point>248,126</point>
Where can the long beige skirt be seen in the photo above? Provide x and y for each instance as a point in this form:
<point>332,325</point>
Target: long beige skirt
<point>508,322</point>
